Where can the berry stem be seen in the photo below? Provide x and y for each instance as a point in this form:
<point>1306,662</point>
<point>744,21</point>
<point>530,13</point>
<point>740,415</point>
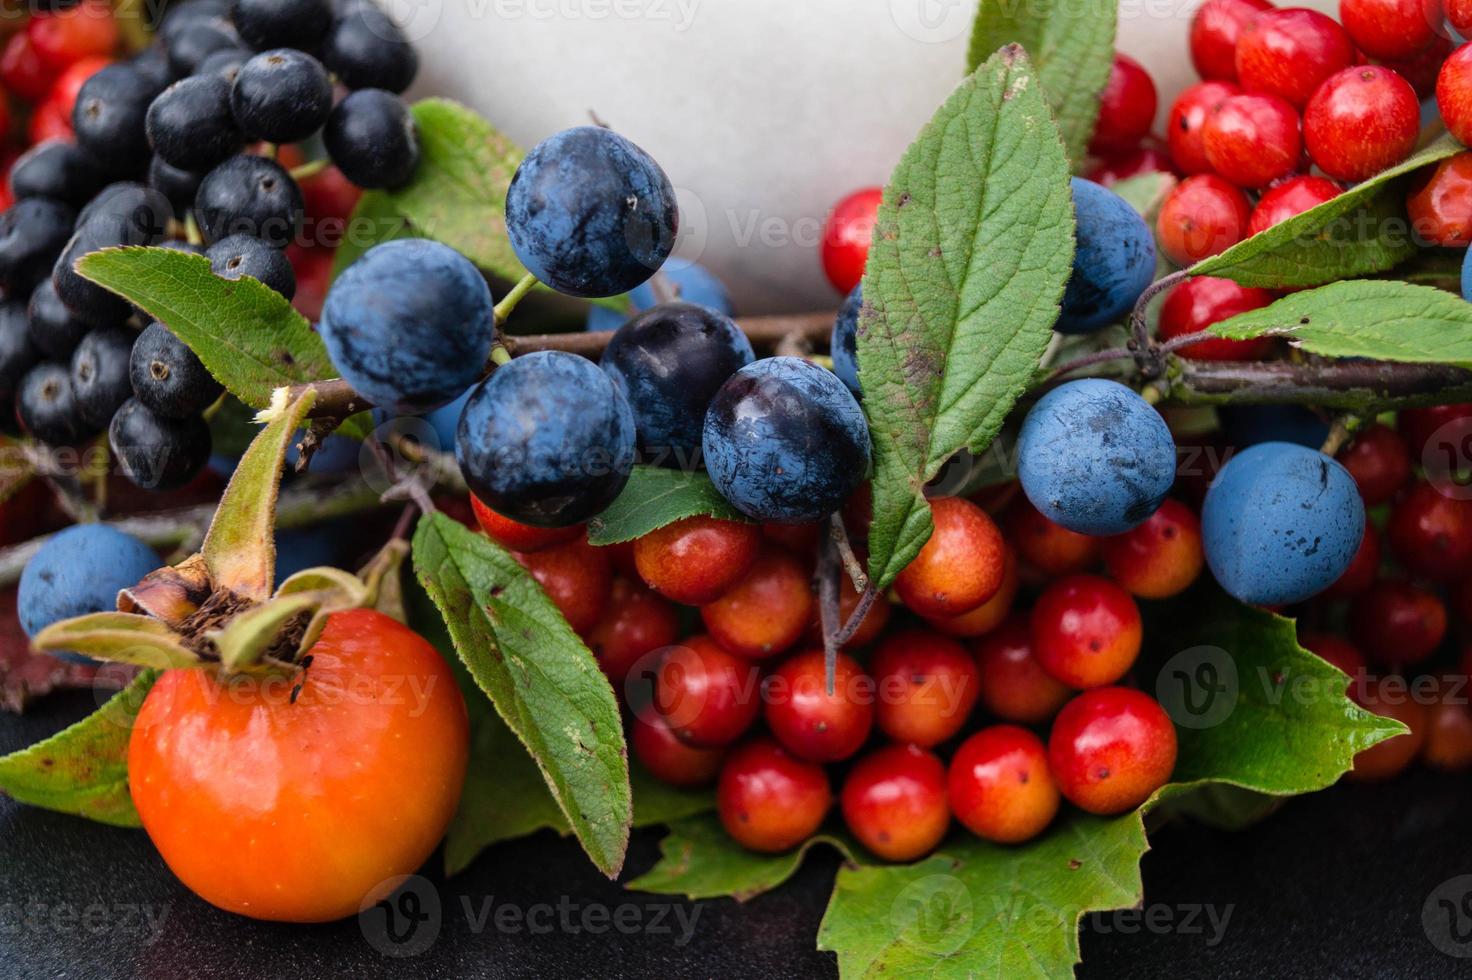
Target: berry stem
<point>518,292</point>
<point>1147,355</point>
<point>851,562</point>
<point>192,234</point>
<point>1363,387</point>
<point>828,610</point>
<point>309,169</point>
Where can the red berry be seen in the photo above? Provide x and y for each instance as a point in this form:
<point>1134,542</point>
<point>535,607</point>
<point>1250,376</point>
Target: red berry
<point>800,539</point>
<point>1215,28</point>
<point>1086,631</point>
<point>1397,623</point>
<point>518,536</point>
<point>960,567</point>
<point>870,626</point>
<point>1252,140</point>
<point>1000,786</point>
<point>1431,533</point>
<point>1454,93</point>
<point>990,614</point>
<point>1391,29</point>
<point>65,37</point>
<point>1289,199</point>
<point>1335,650</point>
<point>621,557</point>
<point>1110,749</point>
<point>1363,570</point>
<point>698,559</point>
<point>1434,435</point>
<point>1361,121</point>
<point>1186,122</point>
<point>926,685</point>
<point>1161,557</point>
<point>767,611</point>
<point>666,757</point>
<point>1203,301</point>
<point>811,723</point>
<point>48,123</point>
<point>1203,216</point>
<point>64,92</point>
<point>1288,53</point>
<point>636,624</point>
<point>1421,69</point>
<point>576,576</point>
<point>1132,163</point>
<point>708,697</point>
<point>1389,697</point>
<point>1126,108</point>
<point>1379,461</point>
<point>894,802</point>
<point>769,801</point>
<point>846,238</point>
<point>1459,12</point>
<point>1440,203</point>
<point>22,71</point>
<point>1048,546</point>
<point>1448,744</point>
<point>1014,686</point>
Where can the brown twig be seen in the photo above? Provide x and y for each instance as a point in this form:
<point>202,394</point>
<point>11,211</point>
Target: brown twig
<point>839,532</point>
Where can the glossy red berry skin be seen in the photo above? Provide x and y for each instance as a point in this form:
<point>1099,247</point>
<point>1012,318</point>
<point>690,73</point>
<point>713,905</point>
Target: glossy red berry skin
<point>1203,216</point>
<point>1132,163</point>
<point>926,686</point>
<point>1380,462</point>
<point>1389,698</point>
<point>1361,121</point>
<point>1289,199</point>
<point>1086,631</point>
<point>1448,744</point>
<point>1046,545</point>
<point>1440,203</point>
<point>636,623</point>
<point>1014,686</point>
<point>1110,749</point>
<point>698,559</point>
<point>1126,108</point>
<point>769,801</point>
<point>1288,53</point>
<point>62,38</point>
<point>517,536</point>
<point>1398,624</point>
<point>811,723</point>
<point>1186,122</point>
<point>1454,93</point>
<point>1000,785</point>
<point>577,578</point>
<point>767,611</point>
<point>894,802</point>
<point>1252,140</point>
<point>1215,29</point>
<point>63,94</point>
<point>22,72</point>
<point>667,758</point>
<point>1459,13</point>
<point>990,614</point>
<point>1363,570</point>
<point>960,567</point>
<point>1160,558</point>
<point>708,697</point>
<point>1430,432</point>
<point>846,238</point>
<point>1391,30</point>
<point>1203,301</point>
<point>1431,533</point>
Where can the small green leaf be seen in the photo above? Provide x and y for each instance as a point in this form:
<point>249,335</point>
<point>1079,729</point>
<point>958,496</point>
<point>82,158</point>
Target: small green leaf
<point>1360,232</point>
<point>698,859</point>
<point>542,679</point>
<point>249,635</point>
<point>123,638</point>
<point>1146,192</point>
<point>1375,318</point>
<point>657,802</point>
<point>655,497</point>
<point>82,770</point>
<point>1072,47</point>
<point>973,246</point>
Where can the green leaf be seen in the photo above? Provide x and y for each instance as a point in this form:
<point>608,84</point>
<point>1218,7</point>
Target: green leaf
<point>124,638</point>
<point>374,220</point>
<point>657,802</point>
<point>1146,192</point>
<point>655,497</point>
<point>1360,232</point>
<point>698,859</point>
<point>1072,45</point>
<point>1376,318</point>
<point>542,679</point>
<point>82,770</point>
<point>972,249</point>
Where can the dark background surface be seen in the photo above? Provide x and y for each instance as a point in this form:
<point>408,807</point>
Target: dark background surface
<point>1331,886</point>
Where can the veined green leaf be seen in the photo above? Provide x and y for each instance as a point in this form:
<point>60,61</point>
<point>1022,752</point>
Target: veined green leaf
<point>655,497</point>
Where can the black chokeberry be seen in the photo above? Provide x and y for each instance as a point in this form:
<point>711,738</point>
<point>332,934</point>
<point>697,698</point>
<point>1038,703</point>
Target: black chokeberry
<point>100,375</point>
<point>59,170</point>
<point>365,49</point>
<point>168,377</point>
<point>179,186</point>
<point>243,255</point>
<point>225,63</point>
<point>372,138</point>
<point>54,331</point>
<point>33,232</point>
<point>187,13</point>
<point>47,406</point>
<point>111,115</point>
<point>158,453</point>
<point>282,23</point>
<point>195,42</point>
<point>141,212</point>
<point>281,96</point>
<point>153,64</point>
<point>17,356</point>
<point>249,195</point>
<point>190,124</point>
<point>126,214</point>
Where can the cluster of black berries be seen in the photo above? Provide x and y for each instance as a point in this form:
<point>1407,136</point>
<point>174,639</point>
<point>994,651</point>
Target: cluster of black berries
<point>162,142</point>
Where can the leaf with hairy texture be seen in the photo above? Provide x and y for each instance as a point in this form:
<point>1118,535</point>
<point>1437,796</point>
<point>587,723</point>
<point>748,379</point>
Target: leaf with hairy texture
<point>124,638</point>
<point>655,497</point>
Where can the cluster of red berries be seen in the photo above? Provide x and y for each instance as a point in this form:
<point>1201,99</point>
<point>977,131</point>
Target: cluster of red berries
<point>741,699</point>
